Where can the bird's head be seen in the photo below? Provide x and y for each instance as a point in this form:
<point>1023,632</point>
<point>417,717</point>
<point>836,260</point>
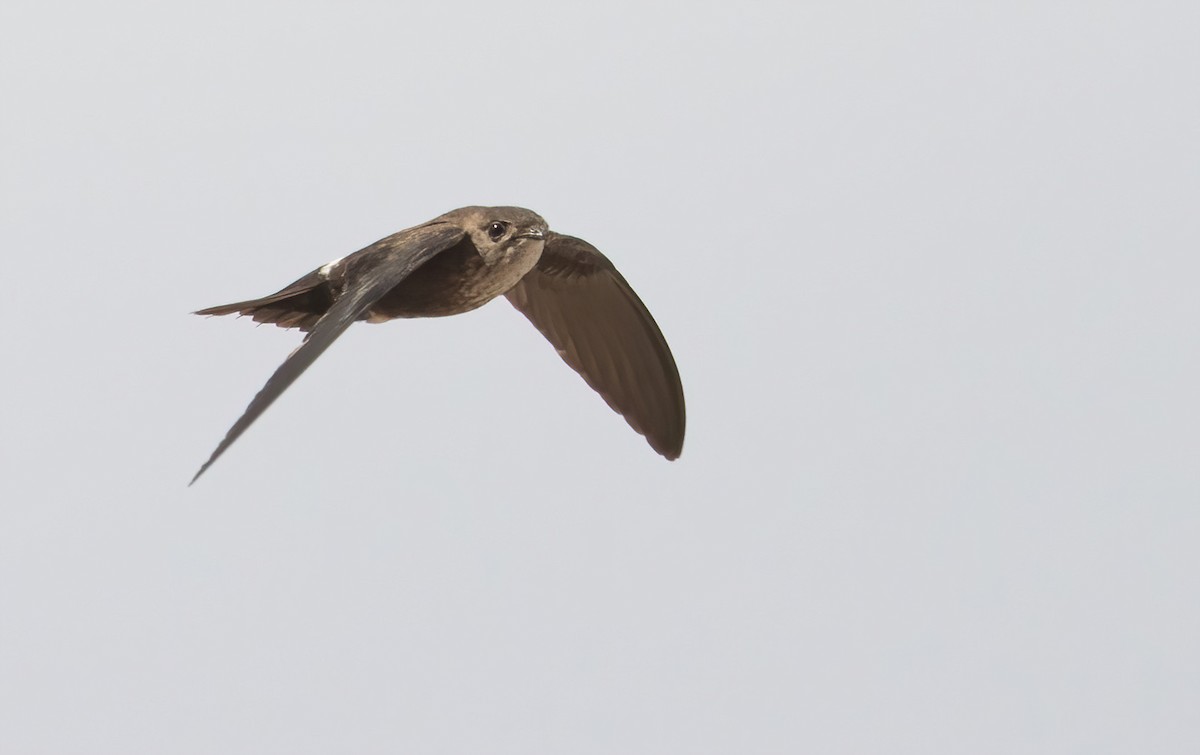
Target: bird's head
<point>500,233</point>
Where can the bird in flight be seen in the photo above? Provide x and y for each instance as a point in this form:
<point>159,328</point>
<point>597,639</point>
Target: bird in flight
<point>461,261</point>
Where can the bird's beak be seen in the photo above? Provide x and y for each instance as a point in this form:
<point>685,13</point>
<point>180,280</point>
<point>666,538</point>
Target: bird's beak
<point>533,234</point>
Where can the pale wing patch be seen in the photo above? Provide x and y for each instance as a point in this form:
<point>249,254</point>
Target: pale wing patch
<point>323,270</point>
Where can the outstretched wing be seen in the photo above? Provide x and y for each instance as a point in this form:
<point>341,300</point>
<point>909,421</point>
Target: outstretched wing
<point>600,327</point>
<point>370,273</point>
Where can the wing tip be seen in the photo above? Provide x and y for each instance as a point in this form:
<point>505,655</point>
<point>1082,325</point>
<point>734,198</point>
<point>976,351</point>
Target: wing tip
<point>669,452</point>
<point>668,445</point>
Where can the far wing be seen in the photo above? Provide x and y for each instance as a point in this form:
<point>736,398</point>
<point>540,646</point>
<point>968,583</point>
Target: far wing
<point>600,327</point>
<point>370,274</point>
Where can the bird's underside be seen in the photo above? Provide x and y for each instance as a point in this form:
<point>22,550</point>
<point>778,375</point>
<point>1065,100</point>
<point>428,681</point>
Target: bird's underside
<point>462,260</point>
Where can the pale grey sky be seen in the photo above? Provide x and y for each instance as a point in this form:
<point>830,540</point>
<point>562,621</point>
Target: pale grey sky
<point>929,271</point>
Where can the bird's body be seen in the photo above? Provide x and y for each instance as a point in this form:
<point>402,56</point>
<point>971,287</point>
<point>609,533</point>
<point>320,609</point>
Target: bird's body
<point>459,262</point>
<point>457,281</point>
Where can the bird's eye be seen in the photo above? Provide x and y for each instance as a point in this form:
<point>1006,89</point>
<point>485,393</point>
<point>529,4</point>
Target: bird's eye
<point>497,229</point>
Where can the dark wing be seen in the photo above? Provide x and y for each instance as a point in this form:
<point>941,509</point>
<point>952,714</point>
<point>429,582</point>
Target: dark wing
<point>600,327</point>
<point>370,274</point>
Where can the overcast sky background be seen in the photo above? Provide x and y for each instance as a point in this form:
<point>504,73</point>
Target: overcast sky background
<point>930,274</point>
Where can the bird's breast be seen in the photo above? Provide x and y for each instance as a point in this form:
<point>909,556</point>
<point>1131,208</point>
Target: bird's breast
<point>456,281</point>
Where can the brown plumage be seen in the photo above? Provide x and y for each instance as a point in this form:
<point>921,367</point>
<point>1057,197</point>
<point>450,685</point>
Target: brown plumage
<point>600,327</point>
<point>569,290</point>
